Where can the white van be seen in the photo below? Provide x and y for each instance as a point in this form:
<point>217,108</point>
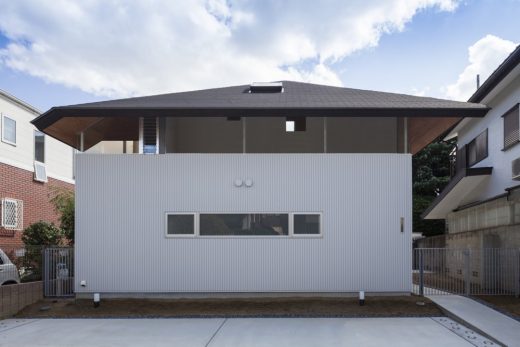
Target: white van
<point>8,271</point>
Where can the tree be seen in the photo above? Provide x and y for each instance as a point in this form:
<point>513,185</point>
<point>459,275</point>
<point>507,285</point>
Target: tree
<point>63,201</point>
<point>42,234</point>
<point>431,173</point>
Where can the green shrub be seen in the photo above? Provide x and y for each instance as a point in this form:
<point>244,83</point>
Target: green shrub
<point>42,234</point>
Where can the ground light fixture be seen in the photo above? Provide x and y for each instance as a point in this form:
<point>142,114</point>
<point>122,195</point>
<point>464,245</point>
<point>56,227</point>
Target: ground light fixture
<point>96,299</point>
<point>361,298</point>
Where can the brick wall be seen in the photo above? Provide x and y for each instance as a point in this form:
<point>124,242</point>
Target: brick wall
<point>15,297</point>
<point>19,184</point>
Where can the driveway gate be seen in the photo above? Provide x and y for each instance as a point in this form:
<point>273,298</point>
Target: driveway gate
<point>58,271</point>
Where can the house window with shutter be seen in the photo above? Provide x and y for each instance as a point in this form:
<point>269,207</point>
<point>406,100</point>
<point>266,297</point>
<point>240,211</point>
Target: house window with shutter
<point>511,127</point>
<point>477,149</point>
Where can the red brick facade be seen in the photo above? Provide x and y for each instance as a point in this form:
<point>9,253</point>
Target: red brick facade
<point>18,184</point>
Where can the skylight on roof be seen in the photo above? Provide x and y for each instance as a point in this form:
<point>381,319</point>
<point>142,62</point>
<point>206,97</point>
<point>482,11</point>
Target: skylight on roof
<point>266,87</point>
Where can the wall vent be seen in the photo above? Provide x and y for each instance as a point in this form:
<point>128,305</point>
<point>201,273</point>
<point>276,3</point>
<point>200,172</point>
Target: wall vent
<point>515,169</point>
<point>266,87</point>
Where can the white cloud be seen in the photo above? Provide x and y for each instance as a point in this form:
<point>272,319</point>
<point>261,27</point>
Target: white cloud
<point>485,56</point>
<point>119,48</point>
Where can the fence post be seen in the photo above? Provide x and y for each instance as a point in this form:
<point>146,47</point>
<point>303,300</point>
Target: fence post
<point>421,272</point>
<point>517,274</point>
<point>44,270</point>
<point>467,268</point>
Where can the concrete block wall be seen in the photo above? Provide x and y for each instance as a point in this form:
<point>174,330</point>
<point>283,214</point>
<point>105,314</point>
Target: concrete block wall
<point>14,298</point>
<point>488,268</point>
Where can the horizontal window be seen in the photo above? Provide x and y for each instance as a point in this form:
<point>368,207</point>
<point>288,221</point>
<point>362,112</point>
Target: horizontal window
<point>180,224</point>
<point>244,224</point>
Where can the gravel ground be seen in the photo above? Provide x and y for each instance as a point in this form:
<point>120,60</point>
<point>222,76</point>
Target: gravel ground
<point>401,306</point>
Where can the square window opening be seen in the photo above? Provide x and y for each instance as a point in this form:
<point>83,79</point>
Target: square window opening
<point>307,224</point>
<point>180,224</point>
<point>295,124</point>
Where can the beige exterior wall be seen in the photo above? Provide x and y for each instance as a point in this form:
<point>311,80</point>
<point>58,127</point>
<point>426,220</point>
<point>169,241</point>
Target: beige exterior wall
<point>503,211</point>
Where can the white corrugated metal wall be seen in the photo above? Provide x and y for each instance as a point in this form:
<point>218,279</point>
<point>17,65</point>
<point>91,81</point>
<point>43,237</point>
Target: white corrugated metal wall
<point>121,202</point>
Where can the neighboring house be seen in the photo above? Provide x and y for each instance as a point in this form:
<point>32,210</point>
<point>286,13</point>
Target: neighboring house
<point>31,165</point>
<point>268,187</point>
<point>481,204</point>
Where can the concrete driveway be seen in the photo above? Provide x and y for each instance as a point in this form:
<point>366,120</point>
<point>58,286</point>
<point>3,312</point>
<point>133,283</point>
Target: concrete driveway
<point>229,332</point>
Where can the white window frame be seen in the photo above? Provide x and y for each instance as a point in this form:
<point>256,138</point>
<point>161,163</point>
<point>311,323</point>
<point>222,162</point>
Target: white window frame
<point>176,236</point>
<point>44,147</point>
<point>18,211</point>
<point>3,128</point>
<point>196,226</point>
<point>291,222</point>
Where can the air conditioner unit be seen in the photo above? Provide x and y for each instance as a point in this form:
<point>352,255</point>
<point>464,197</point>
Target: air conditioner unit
<point>40,173</point>
<point>515,169</point>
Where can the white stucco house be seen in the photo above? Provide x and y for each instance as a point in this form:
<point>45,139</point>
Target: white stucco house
<point>481,204</point>
<point>280,187</point>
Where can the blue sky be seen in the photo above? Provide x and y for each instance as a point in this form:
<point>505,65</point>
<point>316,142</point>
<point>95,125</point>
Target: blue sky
<point>52,55</point>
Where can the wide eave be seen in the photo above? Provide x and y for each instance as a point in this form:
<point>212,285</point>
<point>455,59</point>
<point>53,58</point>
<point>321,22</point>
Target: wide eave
<point>296,100</point>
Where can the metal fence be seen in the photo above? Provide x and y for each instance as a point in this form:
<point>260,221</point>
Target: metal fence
<point>58,271</point>
<point>52,265</point>
<point>487,271</point>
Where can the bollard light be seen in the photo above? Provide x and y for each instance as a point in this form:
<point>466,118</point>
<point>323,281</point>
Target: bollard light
<point>361,298</point>
<point>96,299</point>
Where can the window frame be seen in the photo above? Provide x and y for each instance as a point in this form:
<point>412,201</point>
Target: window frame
<point>176,213</point>
<point>44,146</point>
<point>504,147</point>
<point>247,236</point>
<point>468,149</point>
<point>291,224</point>
<point>18,214</point>
<point>196,226</point>
<point>3,128</point>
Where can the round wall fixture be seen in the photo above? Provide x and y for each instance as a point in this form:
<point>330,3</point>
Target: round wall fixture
<point>238,182</point>
<point>249,182</point>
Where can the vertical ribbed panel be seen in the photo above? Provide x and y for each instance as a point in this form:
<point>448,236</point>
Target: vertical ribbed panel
<point>120,224</point>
